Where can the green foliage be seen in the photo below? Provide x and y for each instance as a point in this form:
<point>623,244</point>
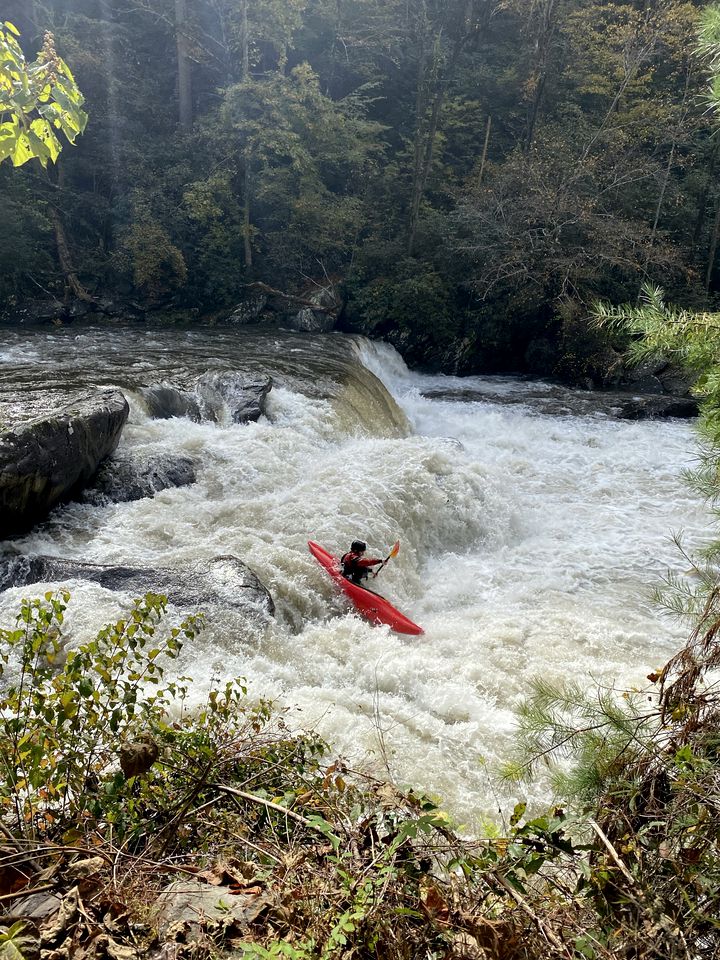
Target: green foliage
<point>594,728</point>
<point>414,297</point>
<point>305,158</point>
<point>36,100</point>
<point>63,713</point>
<point>15,944</point>
<point>158,266</point>
<point>408,301</point>
<point>278,949</point>
<point>340,864</point>
<point>691,339</point>
<point>322,131</point>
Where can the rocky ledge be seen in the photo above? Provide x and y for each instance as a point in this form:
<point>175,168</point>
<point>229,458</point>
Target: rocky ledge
<point>46,460</point>
<point>224,582</point>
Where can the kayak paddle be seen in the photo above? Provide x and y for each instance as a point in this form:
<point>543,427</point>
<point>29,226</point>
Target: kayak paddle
<point>393,553</point>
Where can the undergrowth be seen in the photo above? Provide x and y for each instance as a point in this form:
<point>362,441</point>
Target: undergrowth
<point>115,794</point>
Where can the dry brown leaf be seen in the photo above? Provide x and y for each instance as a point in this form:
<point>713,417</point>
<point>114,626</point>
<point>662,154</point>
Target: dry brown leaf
<point>433,901</point>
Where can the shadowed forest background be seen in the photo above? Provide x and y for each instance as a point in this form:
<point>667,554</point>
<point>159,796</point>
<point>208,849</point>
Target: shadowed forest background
<point>473,173</point>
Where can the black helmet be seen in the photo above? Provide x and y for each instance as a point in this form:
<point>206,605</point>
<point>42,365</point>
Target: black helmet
<point>357,546</point>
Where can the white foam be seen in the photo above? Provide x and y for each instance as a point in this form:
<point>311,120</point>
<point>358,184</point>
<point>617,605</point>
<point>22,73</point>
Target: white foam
<point>529,545</point>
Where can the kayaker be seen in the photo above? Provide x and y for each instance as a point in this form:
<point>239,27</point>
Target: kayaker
<point>356,566</point>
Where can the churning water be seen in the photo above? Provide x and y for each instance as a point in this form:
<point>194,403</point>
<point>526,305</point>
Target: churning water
<point>533,527</point>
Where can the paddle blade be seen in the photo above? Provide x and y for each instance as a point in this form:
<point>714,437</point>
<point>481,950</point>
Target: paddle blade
<point>393,553</point>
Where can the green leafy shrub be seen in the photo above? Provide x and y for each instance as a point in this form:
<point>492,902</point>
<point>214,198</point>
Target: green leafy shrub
<point>63,714</point>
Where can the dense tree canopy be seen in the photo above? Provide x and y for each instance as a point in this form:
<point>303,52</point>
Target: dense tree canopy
<point>475,172</point>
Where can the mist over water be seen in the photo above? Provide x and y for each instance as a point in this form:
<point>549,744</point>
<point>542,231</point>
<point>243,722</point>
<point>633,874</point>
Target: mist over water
<point>530,541</point>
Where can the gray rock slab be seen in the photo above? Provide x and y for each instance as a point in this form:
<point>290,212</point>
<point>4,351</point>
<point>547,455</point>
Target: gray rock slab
<point>45,461</point>
<point>224,582</point>
<point>123,479</point>
<point>243,395</point>
<point>36,906</point>
<point>216,397</point>
<point>198,904</point>
<point>164,401</point>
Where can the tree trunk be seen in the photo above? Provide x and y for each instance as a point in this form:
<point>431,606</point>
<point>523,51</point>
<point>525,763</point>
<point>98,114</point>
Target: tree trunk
<point>663,190</point>
<point>421,175</point>
<point>420,111</point>
<point>65,259</point>
<point>544,46</point>
<point>245,60</point>
<point>244,40</point>
<point>184,66</point>
<point>246,214</point>
<point>424,151</point>
<point>713,248</point>
<point>485,150</point>
<point>671,157</point>
<point>705,192</point>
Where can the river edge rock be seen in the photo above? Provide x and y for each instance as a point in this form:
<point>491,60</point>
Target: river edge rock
<point>122,479</point>
<point>239,396</point>
<point>557,400</point>
<point>225,582</point>
<point>47,460</point>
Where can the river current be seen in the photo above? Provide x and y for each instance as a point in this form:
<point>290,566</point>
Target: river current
<point>533,527</point>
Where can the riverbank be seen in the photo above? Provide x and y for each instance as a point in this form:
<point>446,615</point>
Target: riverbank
<point>132,830</point>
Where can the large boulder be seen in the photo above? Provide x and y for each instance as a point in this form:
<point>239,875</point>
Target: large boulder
<point>657,407</point>
<point>243,395</point>
<point>216,396</point>
<point>224,582</point>
<point>164,401</point>
<point>46,460</point>
<point>249,311</point>
<point>122,479</point>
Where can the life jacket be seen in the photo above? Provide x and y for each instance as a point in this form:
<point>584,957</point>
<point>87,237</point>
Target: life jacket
<point>351,568</point>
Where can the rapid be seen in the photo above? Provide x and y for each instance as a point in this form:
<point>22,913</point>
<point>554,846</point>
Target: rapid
<point>533,528</point>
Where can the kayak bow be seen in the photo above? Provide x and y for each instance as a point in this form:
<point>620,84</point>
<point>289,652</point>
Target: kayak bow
<point>371,605</point>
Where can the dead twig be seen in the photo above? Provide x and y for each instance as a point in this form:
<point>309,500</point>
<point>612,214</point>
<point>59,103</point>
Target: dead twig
<point>539,923</point>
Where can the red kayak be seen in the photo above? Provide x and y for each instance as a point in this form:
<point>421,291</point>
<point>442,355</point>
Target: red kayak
<point>369,604</point>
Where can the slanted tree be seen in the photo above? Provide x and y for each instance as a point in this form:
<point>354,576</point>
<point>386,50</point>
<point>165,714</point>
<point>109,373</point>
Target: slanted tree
<point>184,65</point>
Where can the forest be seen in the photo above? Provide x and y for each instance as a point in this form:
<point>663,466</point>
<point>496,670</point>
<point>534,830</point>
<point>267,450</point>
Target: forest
<point>471,174</point>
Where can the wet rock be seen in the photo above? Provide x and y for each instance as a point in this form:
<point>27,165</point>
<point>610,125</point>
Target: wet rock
<point>224,582</point>
<point>249,311</point>
<point>653,376</point>
<point>215,396</point>
<point>243,395</point>
<point>190,906</point>
<point>120,480</point>
<point>658,407</point>
<point>165,401</point>
<point>45,461</point>
<point>308,320</point>
<point>556,400</point>
<point>31,312</point>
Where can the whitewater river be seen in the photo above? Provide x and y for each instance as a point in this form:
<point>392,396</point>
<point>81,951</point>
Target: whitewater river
<point>533,526</point>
